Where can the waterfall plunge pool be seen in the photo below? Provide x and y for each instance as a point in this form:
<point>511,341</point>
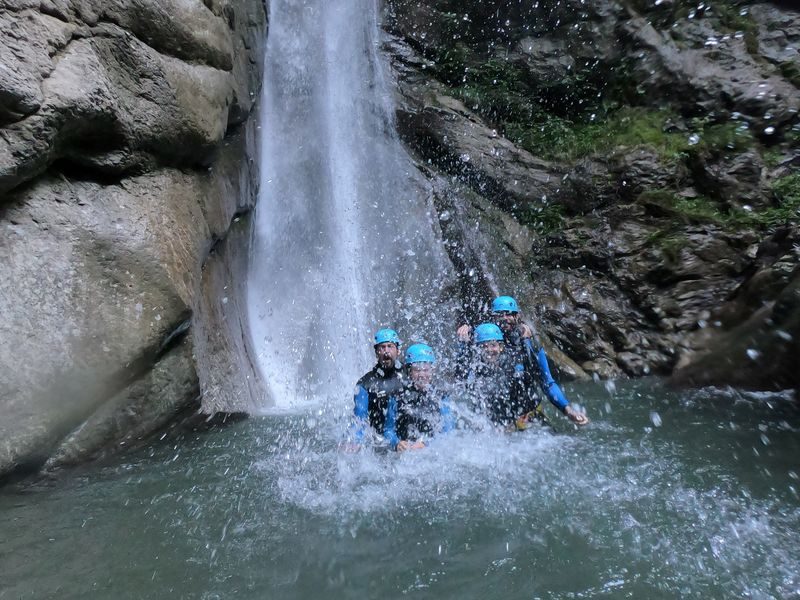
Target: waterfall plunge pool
<point>664,495</point>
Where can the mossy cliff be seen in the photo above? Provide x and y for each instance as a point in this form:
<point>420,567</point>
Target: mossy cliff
<point>632,169</point>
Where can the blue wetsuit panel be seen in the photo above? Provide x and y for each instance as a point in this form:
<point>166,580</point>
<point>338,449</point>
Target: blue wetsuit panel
<point>551,389</point>
<point>448,417</point>
<point>361,411</point>
<point>390,425</point>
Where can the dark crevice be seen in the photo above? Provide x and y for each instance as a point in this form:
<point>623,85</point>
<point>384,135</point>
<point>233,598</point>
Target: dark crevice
<point>74,170</point>
<point>242,212</point>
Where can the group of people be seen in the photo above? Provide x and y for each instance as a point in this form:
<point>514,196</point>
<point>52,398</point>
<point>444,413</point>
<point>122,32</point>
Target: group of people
<point>501,370</point>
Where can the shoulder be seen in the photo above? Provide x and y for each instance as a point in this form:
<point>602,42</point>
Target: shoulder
<point>368,377</point>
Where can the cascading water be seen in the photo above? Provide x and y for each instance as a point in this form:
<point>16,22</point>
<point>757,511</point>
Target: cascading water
<point>344,238</point>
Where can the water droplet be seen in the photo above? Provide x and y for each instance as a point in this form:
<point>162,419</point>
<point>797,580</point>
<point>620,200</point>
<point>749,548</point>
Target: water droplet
<point>769,131</point>
<point>655,418</point>
<point>753,354</point>
<point>694,139</point>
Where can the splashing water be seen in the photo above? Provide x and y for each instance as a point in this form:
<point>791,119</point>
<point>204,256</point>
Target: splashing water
<point>344,237</point>
<point>270,508</point>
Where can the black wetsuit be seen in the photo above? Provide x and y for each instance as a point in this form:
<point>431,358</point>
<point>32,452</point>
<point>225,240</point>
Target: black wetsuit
<point>503,391</point>
<point>421,414</point>
<point>373,392</point>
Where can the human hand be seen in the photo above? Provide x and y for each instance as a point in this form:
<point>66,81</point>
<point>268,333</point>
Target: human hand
<point>408,445</point>
<point>464,332</point>
<point>525,331</point>
<point>576,417</point>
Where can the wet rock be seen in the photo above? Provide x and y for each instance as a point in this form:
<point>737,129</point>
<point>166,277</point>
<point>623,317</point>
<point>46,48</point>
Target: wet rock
<point>778,37</point>
<point>547,60</point>
<point>28,39</point>
<point>441,129</point>
<point>148,404</point>
<point>633,364</point>
<point>587,186</point>
<point>638,170</point>
<point>737,181</point>
<point>760,353</point>
<point>601,369</point>
<point>104,240</point>
<point>713,74</point>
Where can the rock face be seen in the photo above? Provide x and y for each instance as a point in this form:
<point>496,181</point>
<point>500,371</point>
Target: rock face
<point>124,132</point>
<point>628,169</point>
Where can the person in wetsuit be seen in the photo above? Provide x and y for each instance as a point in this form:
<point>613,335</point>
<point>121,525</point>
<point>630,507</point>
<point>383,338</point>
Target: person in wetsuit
<point>420,411</point>
<point>496,386</point>
<point>526,356</point>
<point>377,387</point>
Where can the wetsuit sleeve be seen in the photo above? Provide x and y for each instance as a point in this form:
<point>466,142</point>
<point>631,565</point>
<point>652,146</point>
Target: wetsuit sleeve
<point>390,425</point>
<point>549,385</point>
<point>448,417</point>
<point>360,412</point>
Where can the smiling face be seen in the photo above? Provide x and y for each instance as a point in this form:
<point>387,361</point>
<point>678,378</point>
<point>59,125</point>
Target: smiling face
<point>387,354</point>
<point>421,375</point>
<point>490,351</point>
<point>505,320</point>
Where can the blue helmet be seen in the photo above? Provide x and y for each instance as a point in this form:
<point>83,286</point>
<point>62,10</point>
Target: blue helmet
<point>386,335</point>
<point>486,332</point>
<point>420,353</point>
<point>505,304</point>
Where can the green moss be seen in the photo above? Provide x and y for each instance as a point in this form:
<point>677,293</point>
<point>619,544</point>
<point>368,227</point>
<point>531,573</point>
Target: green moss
<point>671,247</point>
<point>686,210</point>
<point>451,63</point>
<point>735,18</point>
<point>497,90</point>
<point>772,157</point>
<point>720,138</point>
<point>545,219</point>
<point>791,72</point>
<point>703,210</point>
<point>787,195</point>
<point>669,242</point>
<point>561,139</point>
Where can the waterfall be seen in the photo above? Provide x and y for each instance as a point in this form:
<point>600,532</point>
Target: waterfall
<point>345,238</point>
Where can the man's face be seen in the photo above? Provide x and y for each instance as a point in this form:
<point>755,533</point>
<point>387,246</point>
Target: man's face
<point>505,320</point>
<point>421,375</point>
<point>387,354</point>
<point>491,351</point>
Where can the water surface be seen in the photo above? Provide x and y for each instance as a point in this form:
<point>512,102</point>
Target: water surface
<point>663,496</point>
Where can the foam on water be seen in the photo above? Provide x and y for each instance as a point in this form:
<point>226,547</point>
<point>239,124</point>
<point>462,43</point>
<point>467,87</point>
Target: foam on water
<point>269,507</point>
<point>636,501</point>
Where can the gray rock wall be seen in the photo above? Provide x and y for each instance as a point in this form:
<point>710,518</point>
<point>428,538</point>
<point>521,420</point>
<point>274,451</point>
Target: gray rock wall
<point>627,168</point>
<point>127,147</point>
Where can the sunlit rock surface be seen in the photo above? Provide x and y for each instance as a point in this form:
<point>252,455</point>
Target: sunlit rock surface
<point>627,168</point>
<point>124,132</point>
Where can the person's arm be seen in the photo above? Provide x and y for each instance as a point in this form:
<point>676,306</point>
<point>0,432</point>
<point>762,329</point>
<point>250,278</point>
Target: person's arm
<point>390,425</point>
<point>361,414</point>
<point>446,412</point>
<point>551,389</point>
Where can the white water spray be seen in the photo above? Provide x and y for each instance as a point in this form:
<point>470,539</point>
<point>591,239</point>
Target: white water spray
<point>345,239</point>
